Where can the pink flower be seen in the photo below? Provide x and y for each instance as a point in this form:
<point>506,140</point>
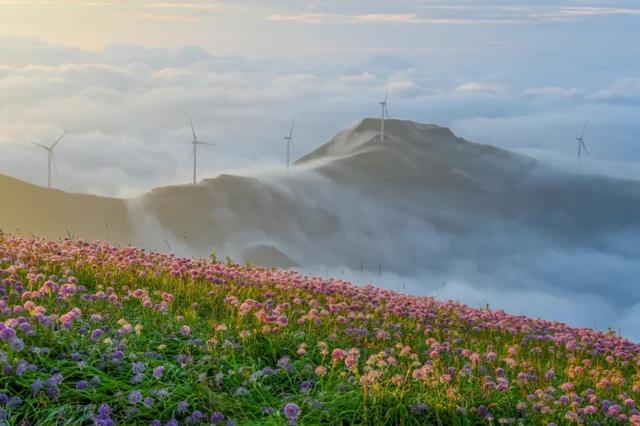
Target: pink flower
<point>338,354</point>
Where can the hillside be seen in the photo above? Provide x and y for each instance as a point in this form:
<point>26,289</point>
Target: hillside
<point>32,210</point>
<point>92,334</point>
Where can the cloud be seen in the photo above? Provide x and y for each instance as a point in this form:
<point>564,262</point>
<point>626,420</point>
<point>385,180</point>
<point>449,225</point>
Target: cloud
<point>173,18</point>
<point>594,11</point>
<point>139,100</point>
<point>380,18</point>
<point>475,87</point>
<point>365,77</point>
<point>462,14</point>
<point>625,91</point>
<point>554,91</point>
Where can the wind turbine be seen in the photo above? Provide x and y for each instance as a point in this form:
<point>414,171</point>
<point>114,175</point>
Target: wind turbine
<point>289,141</point>
<point>385,114</point>
<point>195,143</point>
<point>51,158</point>
<point>581,145</point>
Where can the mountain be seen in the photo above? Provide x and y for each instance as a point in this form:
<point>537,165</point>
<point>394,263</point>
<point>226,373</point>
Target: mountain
<point>429,164</point>
<point>32,210</point>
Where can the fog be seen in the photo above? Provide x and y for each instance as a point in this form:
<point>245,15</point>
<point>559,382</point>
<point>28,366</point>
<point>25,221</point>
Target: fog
<point>472,223</point>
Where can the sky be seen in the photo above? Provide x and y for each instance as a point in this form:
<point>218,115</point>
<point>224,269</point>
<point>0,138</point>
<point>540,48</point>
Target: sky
<point>125,78</point>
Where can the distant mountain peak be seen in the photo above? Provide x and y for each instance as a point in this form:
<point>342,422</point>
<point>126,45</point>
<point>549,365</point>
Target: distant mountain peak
<point>367,133</point>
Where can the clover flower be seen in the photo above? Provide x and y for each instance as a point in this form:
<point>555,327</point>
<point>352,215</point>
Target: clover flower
<point>135,397</point>
<point>158,371</point>
<point>291,411</point>
<point>217,417</point>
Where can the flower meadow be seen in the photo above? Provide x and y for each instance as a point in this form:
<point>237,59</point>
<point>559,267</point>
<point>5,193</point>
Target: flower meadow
<point>92,334</point>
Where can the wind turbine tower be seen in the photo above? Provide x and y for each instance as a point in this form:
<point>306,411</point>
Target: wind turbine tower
<point>195,143</point>
<point>51,159</point>
<point>289,141</point>
<point>385,114</point>
<point>581,146</point>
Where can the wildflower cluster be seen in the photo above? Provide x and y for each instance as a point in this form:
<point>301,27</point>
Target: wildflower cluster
<point>94,334</point>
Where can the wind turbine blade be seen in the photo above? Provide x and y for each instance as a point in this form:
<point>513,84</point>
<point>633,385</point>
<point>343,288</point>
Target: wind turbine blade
<point>584,129</point>
<point>59,139</point>
<point>585,148</point>
<point>205,143</point>
<point>293,125</point>
<point>40,145</point>
<point>193,131</point>
<point>386,96</point>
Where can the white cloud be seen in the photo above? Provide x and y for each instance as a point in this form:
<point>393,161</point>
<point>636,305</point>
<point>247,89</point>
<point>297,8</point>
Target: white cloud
<point>461,14</point>
<point>365,77</point>
<point>139,100</point>
<point>475,87</point>
<point>381,18</point>
<point>623,91</point>
<point>554,91</point>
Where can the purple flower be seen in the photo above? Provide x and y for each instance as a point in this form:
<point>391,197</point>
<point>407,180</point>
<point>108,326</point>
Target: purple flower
<point>55,380</point>
<point>21,367</point>
<point>82,385</point>
<point>95,334</point>
<point>16,344</point>
<point>182,406</point>
<point>291,411</point>
<point>14,401</point>
<point>37,385</point>
<point>172,422</point>
<point>306,386</point>
<point>185,330</point>
<point>104,410</point>
<point>197,416</point>
<point>7,333</point>
<point>483,411</point>
<point>136,379</point>
<point>137,367</point>
<point>148,401</point>
<point>135,397</point>
<point>158,371</point>
<point>217,417</point>
<point>53,392</point>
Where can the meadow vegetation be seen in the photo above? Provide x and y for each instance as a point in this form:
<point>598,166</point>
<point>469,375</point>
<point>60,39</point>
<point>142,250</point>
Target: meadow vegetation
<point>94,334</point>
